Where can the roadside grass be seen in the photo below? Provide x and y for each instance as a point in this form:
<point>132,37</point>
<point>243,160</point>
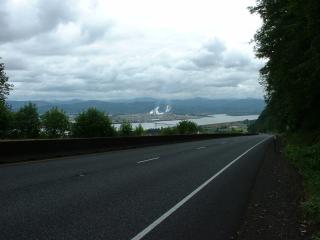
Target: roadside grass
<point>306,157</point>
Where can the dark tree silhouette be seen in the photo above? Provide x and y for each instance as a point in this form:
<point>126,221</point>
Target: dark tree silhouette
<point>5,87</point>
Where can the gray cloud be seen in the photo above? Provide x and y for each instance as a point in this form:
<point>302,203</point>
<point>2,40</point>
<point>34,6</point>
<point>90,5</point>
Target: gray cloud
<point>16,63</point>
<point>215,46</point>
<point>205,60</point>
<point>215,54</point>
<point>236,60</point>
<point>210,55</point>
<point>32,18</point>
<point>52,50</point>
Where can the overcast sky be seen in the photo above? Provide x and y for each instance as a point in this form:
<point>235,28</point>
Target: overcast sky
<point>112,49</point>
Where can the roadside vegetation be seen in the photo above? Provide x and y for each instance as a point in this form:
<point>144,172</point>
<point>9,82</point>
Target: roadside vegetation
<point>55,123</point>
<point>92,123</point>
<point>289,41</point>
<point>126,129</point>
<point>28,123</point>
<point>183,127</point>
<point>305,156</point>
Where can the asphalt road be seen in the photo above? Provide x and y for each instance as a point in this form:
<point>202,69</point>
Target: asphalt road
<point>194,190</point>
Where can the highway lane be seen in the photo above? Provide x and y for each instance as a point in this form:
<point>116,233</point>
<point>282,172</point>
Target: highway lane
<point>117,195</point>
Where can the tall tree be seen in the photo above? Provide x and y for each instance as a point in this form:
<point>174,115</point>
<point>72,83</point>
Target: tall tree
<point>5,87</point>
<point>93,123</point>
<point>138,131</point>
<point>27,121</point>
<point>289,40</point>
<point>55,123</point>
<point>5,120</point>
<point>126,129</point>
<point>187,127</point>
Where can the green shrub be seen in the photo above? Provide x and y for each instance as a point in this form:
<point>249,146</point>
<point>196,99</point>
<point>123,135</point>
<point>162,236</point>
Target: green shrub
<point>55,123</point>
<point>138,131</point>
<point>92,123</point>
<point>306,157</point>
<point>126,129</point>
<point>27,121</point>
<point>307,160</point>
<point>168,131</point>
<point>187,127</point>
<point>6,117</point>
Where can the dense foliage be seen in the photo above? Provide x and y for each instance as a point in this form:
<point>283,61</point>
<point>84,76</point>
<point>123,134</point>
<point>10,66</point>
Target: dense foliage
<point>5,120</point>
<point>168,131</point>
<point>55,123</point>
<point>139,131</point>
<point>93,123</point>
<point>125,129</point>
<point>187,127</point>
<point>289,40</point>
<point>183,127</point>
<point>5,87</point>
<point>307,159</point>
<point>5,113</point>
<point>27,122</point>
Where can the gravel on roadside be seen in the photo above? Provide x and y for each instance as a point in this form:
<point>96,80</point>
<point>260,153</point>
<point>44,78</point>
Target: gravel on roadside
<point>274,211</point>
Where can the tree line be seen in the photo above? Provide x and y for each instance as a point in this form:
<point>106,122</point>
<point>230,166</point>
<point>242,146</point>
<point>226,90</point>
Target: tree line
<point>289,41</point>
<point>55,123</point>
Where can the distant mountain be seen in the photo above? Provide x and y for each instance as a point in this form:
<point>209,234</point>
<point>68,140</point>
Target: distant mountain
<point>194,106</point>
<point>216,106</point>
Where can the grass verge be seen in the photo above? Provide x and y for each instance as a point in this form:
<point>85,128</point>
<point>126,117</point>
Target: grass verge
<point>306,157</point>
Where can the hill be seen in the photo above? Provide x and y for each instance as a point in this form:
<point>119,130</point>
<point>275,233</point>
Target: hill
<point>196,106</point>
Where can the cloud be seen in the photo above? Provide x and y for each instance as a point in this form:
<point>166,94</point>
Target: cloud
<point>215,54</point>
<point>235,59</point>
<point>215,46</point>
<point>31,18</point>
<point>81,49</point>
<point>210,55</point>
<point>15,63</point>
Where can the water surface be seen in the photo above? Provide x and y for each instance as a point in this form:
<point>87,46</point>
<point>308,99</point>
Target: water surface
<point>211,119</point>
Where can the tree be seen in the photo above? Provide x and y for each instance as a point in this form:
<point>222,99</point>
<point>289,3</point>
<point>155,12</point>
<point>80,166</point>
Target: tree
<point>27,122</point>
<point>92,123</point>
<point>55,123</point>
<point>291,73</point>
<point>138,131</point>
<point>126,129</point>
<point>5,113</point>
<point>187,127</point>
<point>5,120</point>
<point>5,87</point>
<point>168,131</point>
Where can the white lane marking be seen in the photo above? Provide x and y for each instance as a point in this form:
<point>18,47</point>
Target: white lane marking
<point>187,198</point>
<point>201,148</point>
<point>148,160</point>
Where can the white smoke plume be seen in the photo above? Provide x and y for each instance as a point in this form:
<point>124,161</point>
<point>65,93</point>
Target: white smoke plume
<point>156,111</point>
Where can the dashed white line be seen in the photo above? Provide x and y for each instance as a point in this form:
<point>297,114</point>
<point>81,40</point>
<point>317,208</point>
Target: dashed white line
<point>183,201</point>
<point>201,148</point>
<point>148,160</point>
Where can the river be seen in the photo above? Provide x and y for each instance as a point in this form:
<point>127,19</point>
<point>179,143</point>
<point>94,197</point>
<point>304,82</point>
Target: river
<point>211,119</point>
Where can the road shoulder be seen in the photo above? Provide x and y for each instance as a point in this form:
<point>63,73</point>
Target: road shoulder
<point>274,210</point>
